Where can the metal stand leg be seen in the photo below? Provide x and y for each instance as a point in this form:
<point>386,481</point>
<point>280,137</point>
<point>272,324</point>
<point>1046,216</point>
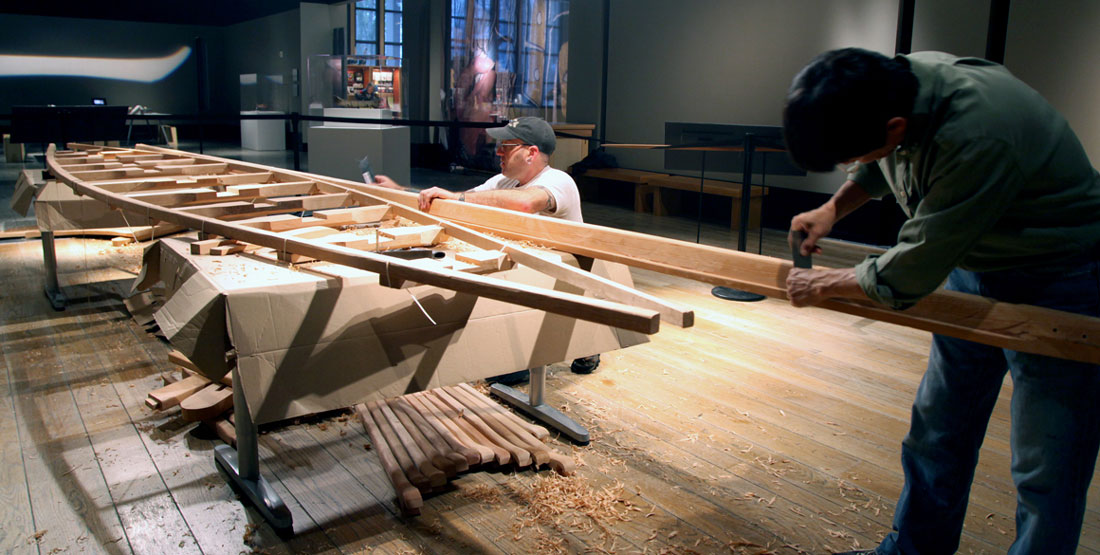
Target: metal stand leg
<point>52,287</point>
<point>242,466</point>
<point>534,406</point>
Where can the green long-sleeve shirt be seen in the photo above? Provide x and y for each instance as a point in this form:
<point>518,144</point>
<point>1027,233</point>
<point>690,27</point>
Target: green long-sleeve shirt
<point>991,177</point>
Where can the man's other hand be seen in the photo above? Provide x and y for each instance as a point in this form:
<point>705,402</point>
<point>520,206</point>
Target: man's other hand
<point>383,181</point>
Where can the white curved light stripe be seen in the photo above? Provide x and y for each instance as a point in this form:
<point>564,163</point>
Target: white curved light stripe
<point>144,70</point>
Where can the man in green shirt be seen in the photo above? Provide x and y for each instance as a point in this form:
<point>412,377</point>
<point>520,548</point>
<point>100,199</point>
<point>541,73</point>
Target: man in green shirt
<point>1002,202</point>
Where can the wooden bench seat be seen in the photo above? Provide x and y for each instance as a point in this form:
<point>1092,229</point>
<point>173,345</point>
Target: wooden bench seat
<point>652,191</point>
<point>648,186</point>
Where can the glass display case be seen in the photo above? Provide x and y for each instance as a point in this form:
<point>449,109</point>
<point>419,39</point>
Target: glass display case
<point>264,95</point>
<point>265,92</point>
<point>347,81</point>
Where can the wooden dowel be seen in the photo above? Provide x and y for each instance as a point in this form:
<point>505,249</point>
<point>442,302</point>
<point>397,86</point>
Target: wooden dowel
<point>435,476</point>
<point>483,453</point>
<point>498,453</point>
<point>408,496</point>
<point>514,434</point>
<point>407,466</point>
<point>521,456</point>
<point>534,429</point>
<point>431,453</point>
<point>436,433</point>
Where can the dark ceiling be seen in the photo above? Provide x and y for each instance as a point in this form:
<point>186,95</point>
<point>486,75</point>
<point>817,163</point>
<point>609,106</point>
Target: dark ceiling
<point>194,12</point>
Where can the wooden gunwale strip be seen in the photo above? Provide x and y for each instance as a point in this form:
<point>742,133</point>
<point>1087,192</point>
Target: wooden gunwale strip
<point>1018,327</point>
<point>388,268</point>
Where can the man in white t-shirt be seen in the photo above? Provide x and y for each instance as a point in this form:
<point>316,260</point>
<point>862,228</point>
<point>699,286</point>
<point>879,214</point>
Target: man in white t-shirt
<point>526,183</point>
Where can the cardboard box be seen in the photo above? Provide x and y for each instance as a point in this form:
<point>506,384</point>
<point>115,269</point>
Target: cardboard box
<point>326,337</point>
<point>58,208</point>
<point>27,186</point>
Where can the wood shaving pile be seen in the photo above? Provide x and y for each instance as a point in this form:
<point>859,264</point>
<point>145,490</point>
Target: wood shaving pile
<point>571,504</point>
<point>483,493</point>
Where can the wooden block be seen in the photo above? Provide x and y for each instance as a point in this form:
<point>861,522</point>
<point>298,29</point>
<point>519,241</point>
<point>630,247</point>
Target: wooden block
<point>224,429</point>
<point>223,250</point>
<point>178,196</point>
<point>204,246</point>
<point>173,394</point>
<point>357,215</point>
<point>208,403</point>
<point>196,169</point>
<point>165,162</point>
<point>311,232</point>
<point>416,236</point>
<point>272,189</point>
<point>13,152</point>
<point>485,260</point>
<point>121,241</point>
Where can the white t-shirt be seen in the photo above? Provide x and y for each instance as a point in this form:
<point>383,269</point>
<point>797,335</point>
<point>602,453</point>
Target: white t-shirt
<point>556,182</point>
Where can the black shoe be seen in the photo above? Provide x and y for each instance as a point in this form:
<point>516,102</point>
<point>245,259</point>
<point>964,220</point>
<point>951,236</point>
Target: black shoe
<point>585,365</point>
<point>514,378</point>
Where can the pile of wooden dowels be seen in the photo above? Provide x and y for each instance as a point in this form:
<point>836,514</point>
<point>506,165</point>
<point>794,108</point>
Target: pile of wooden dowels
<point>425,438</point>
<point>199,399</point>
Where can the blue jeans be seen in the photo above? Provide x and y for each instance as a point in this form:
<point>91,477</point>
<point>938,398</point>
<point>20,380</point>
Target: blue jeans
<point>1055,424</point>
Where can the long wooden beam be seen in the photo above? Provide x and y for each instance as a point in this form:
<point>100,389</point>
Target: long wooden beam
<point>1018,327</point>
<point>388,268</point>
<point>671,313</point>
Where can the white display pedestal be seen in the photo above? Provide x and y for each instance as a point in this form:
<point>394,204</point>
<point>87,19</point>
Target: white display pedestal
<point>336,151</point>
<point>263,134</point>
<point>370,113</point>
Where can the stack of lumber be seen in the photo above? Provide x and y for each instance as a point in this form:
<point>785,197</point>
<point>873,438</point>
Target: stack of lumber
<point>424,439</point>
<point>199,399</point>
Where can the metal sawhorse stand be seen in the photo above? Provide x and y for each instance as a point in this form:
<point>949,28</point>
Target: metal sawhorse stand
<point>241,466</point>
<point>532,405</point>
<point>52,287</point>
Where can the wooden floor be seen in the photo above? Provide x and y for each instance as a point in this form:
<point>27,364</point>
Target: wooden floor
<point>763,429</point>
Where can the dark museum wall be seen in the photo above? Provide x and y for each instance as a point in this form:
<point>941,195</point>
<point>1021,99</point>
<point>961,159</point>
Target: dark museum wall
<point>59,36</point>
<point>731,62</point>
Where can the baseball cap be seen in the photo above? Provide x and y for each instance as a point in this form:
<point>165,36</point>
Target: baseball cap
<point>530,130</point>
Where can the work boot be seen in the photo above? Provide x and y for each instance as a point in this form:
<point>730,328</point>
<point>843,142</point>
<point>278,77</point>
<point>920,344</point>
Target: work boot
<point>585,365</point>
<point>511,379</point>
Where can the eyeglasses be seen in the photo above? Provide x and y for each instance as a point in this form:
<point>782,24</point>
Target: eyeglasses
<point>508,147</point>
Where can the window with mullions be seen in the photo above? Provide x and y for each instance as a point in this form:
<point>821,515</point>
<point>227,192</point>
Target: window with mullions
<point>378,29</point>
<point>515,44</point>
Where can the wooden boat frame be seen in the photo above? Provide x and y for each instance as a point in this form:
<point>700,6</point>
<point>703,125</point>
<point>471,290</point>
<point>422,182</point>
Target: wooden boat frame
<point>89,171</point>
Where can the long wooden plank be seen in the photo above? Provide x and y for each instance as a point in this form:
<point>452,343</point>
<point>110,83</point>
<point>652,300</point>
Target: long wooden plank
<point>16,520</point>
<point>66,488</point>
<point>391,270</point>
<point>1020,327</point>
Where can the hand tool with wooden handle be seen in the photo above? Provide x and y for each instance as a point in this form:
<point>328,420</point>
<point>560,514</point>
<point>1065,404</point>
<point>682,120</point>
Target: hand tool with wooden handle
<point>800,260</point>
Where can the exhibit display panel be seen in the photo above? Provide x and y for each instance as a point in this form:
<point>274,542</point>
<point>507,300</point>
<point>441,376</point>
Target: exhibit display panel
<point>343,81</point>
